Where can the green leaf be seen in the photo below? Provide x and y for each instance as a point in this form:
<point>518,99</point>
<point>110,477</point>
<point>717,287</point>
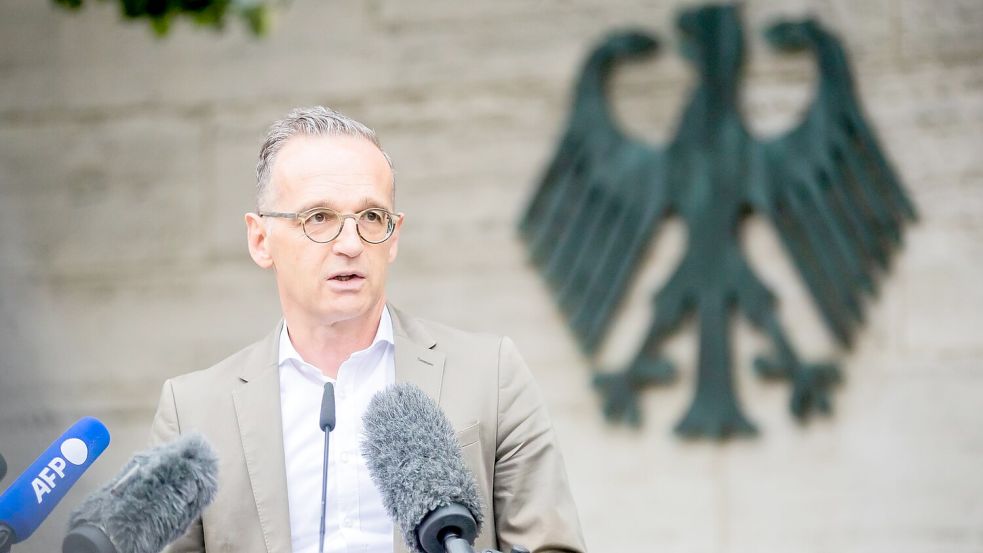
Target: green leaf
<point>160,14</point>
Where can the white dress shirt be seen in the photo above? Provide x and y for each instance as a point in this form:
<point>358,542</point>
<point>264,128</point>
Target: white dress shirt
<point>356,520</point>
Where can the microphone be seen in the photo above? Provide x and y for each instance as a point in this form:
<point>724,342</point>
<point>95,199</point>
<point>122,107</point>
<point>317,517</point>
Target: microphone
<point>413,456</point>
<point>3,468</point>
<point>327,422</point>
<point>30,499</point>
<point>151,502</point>
<point>327,408</point>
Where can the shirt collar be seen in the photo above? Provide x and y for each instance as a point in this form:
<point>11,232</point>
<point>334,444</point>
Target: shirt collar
<point>384,333</point>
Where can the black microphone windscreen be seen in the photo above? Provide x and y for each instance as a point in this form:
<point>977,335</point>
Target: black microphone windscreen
<point>327,408</point>
<point>414,458</point>
<point>3,467</point>
<point>155,497</point>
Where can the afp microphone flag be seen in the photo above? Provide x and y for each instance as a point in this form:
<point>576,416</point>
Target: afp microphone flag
<point>30,499</point>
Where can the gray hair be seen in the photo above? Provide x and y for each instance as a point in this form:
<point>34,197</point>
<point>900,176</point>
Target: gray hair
<point>312,121</point>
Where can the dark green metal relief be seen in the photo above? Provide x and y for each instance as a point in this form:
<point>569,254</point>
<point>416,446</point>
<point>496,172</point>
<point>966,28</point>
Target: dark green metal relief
<point>824,185</point>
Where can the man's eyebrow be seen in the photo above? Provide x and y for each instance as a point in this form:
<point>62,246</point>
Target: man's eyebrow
<point>368,203</point>
<point>365,203</point>
<point>312,205</point>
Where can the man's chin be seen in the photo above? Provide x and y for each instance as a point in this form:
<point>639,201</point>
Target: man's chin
<point>349,309</point>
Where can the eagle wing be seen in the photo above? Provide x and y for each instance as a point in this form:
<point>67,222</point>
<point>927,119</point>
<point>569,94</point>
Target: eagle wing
<point>829,190</point>
<point>597,203</point>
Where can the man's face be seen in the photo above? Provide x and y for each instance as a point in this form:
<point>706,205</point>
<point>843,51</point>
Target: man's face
<point>343,279</point>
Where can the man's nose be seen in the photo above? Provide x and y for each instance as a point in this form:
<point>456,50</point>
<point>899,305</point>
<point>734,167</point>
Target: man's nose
<point>348,242</point>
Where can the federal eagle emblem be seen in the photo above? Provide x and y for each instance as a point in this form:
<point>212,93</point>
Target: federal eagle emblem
<point>826,187</point>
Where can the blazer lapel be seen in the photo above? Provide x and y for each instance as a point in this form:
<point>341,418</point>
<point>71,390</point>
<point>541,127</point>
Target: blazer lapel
<point>419,363</point>
<point>417,360</point>
<point>257,404</point>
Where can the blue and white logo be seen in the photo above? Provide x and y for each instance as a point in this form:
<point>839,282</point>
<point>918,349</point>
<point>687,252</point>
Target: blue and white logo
<point>74,451</point>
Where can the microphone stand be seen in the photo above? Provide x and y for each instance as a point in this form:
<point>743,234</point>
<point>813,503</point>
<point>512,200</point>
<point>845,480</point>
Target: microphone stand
<point>327,424</point>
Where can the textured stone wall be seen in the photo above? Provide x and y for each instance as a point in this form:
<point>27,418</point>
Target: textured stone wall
<point>126,165</point>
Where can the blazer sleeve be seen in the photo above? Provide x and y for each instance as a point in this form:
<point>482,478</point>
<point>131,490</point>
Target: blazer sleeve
<point>533,504</point>
<point>166,427</point>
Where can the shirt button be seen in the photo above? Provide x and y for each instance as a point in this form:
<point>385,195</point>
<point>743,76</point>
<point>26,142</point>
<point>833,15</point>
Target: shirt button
<point>347,522</point>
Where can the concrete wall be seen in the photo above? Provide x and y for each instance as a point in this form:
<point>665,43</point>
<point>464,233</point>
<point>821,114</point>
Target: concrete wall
<point>126,164</point>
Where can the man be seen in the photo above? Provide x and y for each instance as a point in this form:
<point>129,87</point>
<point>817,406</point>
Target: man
<point>327,227</point>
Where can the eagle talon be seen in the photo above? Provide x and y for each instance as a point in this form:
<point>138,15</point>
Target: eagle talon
<point>620,389</point>
<point>811,389</point>
<point>620,397</point>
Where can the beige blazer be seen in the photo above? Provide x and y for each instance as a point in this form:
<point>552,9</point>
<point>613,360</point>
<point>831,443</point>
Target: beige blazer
<point>479,381</point>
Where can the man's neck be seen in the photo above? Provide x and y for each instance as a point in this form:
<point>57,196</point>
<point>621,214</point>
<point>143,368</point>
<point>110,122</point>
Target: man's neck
<point>327,346</point>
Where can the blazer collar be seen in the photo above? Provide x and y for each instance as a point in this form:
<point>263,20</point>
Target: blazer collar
<point>263,356</point>
<point>418,361</point>
<point>257,405</point>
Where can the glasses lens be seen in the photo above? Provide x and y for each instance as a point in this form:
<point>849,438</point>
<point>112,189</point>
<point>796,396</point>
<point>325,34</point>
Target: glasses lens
<point>374,225</point>
<point>322,225</point>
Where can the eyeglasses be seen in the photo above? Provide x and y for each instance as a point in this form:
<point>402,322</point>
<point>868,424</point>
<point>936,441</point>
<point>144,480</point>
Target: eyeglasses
<point>374,225</point>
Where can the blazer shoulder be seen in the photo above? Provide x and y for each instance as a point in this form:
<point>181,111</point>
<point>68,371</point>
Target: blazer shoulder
<point>443,336</point>
<point>230,369</point>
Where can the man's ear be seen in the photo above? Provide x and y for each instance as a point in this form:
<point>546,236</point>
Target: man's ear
<point>258,239</point>
<point>394,239</point>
